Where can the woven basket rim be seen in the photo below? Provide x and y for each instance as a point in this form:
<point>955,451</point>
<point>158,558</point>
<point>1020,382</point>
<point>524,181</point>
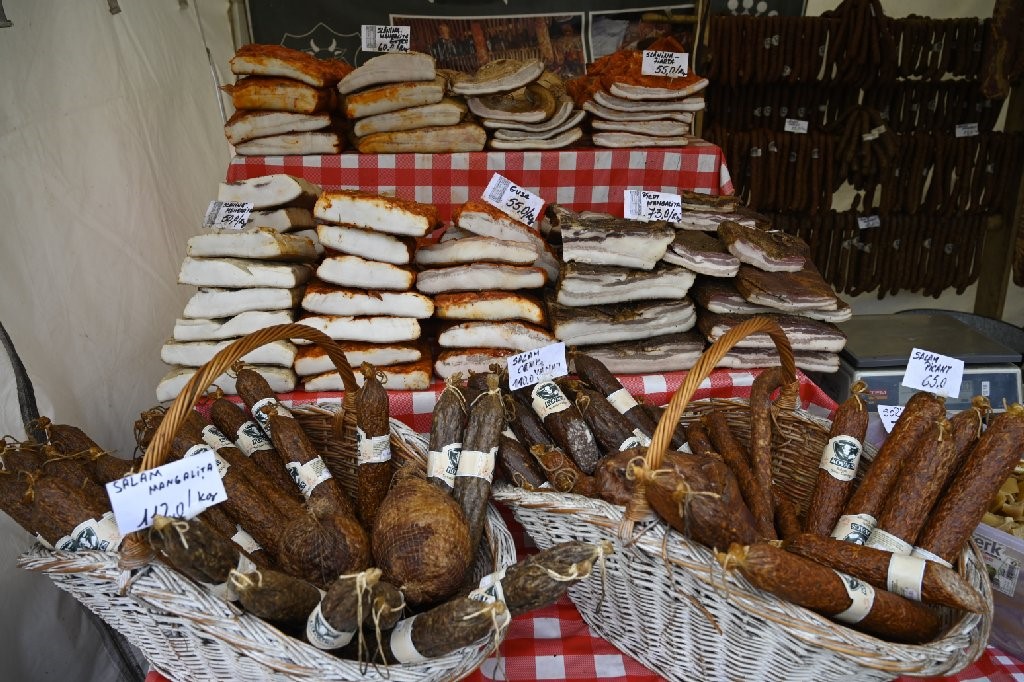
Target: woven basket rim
<point>654,540</point>
<point>246,634</point>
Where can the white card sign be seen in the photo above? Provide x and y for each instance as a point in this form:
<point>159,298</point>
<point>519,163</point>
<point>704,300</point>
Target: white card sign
<point>795,125</point>
<point>640,204</point>
<point>889,414</point>
<point>539,364</point>
<point>967,130</point>
<point>933,372</point>
<point>180,489</point>
<point>227,215</point>
<point>865,222</point>
<point>662,63</point>
<point>513,200</point>
<point>386,38</point>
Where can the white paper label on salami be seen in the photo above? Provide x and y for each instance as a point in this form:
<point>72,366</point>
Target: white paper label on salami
<point>622,400</point>
<point>866,222</point>
<point>489,589</point>
<point>386,38</point>
<point>841,457</point>
<point>631,442</point>
<point>906,573</point>
<point>935,373</point>
<point>855,528</point>
<point>245,541</point>
<point>639,204</point>
<point>227,215</point>
<point>215,439</point>
<point>444,465</point>
<point>260,409</point>
<point>309,475</point>
<point>97,534</point>
<point>548,399</point>
<point>642,437</point>
<point>928,556</point>
<point>512,200</point>
<point>250,439</point>
<point>200,448</point>
<point>665,63</point>
<point>536,365</point>
<point>373,449</point>
<point>401,643</point>
<point>863,596</point>
<point>795,125</point>
<point>884,540</point>
<point>321,635</point>
<point>967,130</point>
<point>889,414</point>
<point>477,464</point>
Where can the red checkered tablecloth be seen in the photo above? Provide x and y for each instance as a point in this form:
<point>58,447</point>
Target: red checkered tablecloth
<point>591,179</point>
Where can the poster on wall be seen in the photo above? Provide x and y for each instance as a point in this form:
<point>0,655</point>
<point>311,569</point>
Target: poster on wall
<point>463,35</point>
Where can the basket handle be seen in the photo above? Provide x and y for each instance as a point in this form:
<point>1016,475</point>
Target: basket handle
<point>638,507</point>
<point>156,453</point>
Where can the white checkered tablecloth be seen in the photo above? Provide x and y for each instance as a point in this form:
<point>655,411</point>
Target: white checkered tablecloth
<point>591,179</point>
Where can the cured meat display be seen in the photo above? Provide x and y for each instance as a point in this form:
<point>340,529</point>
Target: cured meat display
<point>538,115</point>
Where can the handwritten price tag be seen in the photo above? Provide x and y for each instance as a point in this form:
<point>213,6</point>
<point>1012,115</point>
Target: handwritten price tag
<point>227,215</point>
<point>386,38</point>
<point>967,130</point>
<point>513,200</point>
<point>865,222</point>
<point>935,373</point>
<point>539,364</point>
<point>795,125</point>
<point>180,489</point>
<point>640,204</point>
<point>889,414</point>
<point>660,63</point>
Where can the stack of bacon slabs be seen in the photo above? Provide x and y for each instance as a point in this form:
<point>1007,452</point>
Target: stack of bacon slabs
<point>477,273</point>
<point>363,293</point>
<point>629,109</point>
<point>248,279</point>
<point>399,103</point>
<point>283,102</point>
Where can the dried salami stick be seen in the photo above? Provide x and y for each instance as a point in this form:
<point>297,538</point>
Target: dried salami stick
<point>200,552</point>
<point>446,430</point>
<point>259,398</point>
<point>678,435</point>
<point>595,374</point>
<point>71,439</point>
<point>612,430</point>
<point>306,467</point>
<point>274,596</point>
<point>525,423</point>
<point>441,630</point>
<point>699,440</point>
<point>735,456</point>
<point>839,462</point>
<point>66,517</point>
<point>250,439</point>
<point>861,512</point>
<point>922,477</point>
<point>960,510</point>
<point>476,463</point>
<point>74,469</point>
<point>833,594</point>
<point>761,427</point>
<point>561,471</point>
<point>787,519</point>
<point>335,620</point>
<point>373,435</point>
<point>564,422</point>
<point>542,578</point>
<point>518,465</point>
<point>910,577</point>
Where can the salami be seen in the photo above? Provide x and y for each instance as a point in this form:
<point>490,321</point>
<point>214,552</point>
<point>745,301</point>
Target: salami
<point>734,455</point>
<point>594,373</point>
<point>334,622</point>
<point>373,439</point>
<point>476,463</point>
<point>71,439</point>
<point>987,466</point>
<point>446,430</point>
<point>911,577</point>
<point>699,440</point>
<point>274,596</point>
<point>613,431</point>
<point>564,423</point>
<point>835,595</point>
<point>861,513</point>
<point>441,630</point>
<point>839,463</point>
<point>517,464</point>
<point>252,442</point>
<point>562,472</point>
<point>761,429</point>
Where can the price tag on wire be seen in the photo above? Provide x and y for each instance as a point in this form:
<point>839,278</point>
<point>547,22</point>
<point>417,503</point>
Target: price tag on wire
<point>640,204</point>
<point>180,489</point>
<point>889,414</point>
<point>386,38</point>
<point>934,373</point>
<point>227,215</point>
<point>662,63</point>
<point>866,222</point>
<point>795,125</point>
<point>539,364</point>
<point>967,130</point>
<point>513,200</point>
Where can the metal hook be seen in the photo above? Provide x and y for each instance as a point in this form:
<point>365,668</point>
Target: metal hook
<point>4,21</point>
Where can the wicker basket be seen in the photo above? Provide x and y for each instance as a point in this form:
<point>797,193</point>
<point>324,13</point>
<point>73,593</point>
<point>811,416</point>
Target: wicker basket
<point>188,634</point>
<point>668,604</point>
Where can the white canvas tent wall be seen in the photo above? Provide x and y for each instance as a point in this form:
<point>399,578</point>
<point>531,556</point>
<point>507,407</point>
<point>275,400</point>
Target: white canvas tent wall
<point>110,149</point>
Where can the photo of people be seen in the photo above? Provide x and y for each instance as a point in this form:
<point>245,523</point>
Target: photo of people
<point>464,43</point>
<point>635,28</point>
